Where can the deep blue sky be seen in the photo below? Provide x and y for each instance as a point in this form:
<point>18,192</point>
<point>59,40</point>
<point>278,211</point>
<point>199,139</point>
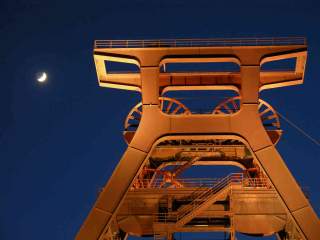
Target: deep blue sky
<point>60,141</point>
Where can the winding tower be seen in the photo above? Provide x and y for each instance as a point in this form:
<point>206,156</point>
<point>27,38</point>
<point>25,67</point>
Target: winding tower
<point>149,195</point>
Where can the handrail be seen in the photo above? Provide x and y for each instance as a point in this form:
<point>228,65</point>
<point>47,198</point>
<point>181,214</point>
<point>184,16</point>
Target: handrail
<point>232,178</point>
<point>210,42</point>
<point>200,183</point>
<point>228,181</point>
<point>186,182</point>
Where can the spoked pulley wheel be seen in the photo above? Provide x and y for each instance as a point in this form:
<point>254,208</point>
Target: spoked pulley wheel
<point>167,105</point>
<point>269,117</point>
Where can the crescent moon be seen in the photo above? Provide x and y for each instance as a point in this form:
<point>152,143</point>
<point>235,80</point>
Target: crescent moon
<point>43,77</point>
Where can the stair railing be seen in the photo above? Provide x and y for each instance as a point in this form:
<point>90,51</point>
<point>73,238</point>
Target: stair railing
<point>226,181</point>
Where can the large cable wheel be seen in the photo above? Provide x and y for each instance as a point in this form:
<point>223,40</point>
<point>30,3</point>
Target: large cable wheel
<point>167,105</point>
<point>268,115</point>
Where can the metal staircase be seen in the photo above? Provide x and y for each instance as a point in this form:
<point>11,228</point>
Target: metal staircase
<point>205,199</point>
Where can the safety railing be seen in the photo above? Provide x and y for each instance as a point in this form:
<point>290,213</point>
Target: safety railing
<point>202,196</point>
<point>231,179</point>
<point>256,183</point>
<point>200,183</point>
<point>210,42</point>
<point>183,183</point>
<point>165,217</point>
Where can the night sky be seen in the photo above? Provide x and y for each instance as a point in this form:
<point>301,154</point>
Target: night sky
<point>60,141</point>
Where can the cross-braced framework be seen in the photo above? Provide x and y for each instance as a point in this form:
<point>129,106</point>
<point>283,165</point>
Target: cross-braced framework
<point>148,193</point>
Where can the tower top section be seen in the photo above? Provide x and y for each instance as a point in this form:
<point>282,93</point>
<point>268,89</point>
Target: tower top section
<point>284,60</point>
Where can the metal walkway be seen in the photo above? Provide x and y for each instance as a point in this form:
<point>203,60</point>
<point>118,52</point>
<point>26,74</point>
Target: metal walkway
<point>210,42</point>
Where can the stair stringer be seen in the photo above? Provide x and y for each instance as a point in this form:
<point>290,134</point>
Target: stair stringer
<point>207,203</point>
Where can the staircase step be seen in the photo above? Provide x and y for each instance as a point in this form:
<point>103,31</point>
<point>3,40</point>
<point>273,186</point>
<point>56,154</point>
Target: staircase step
<point>186,213</point>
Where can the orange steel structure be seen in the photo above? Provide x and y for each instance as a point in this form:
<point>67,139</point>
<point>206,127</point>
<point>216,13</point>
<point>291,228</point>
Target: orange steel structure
<point>148,195</point>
